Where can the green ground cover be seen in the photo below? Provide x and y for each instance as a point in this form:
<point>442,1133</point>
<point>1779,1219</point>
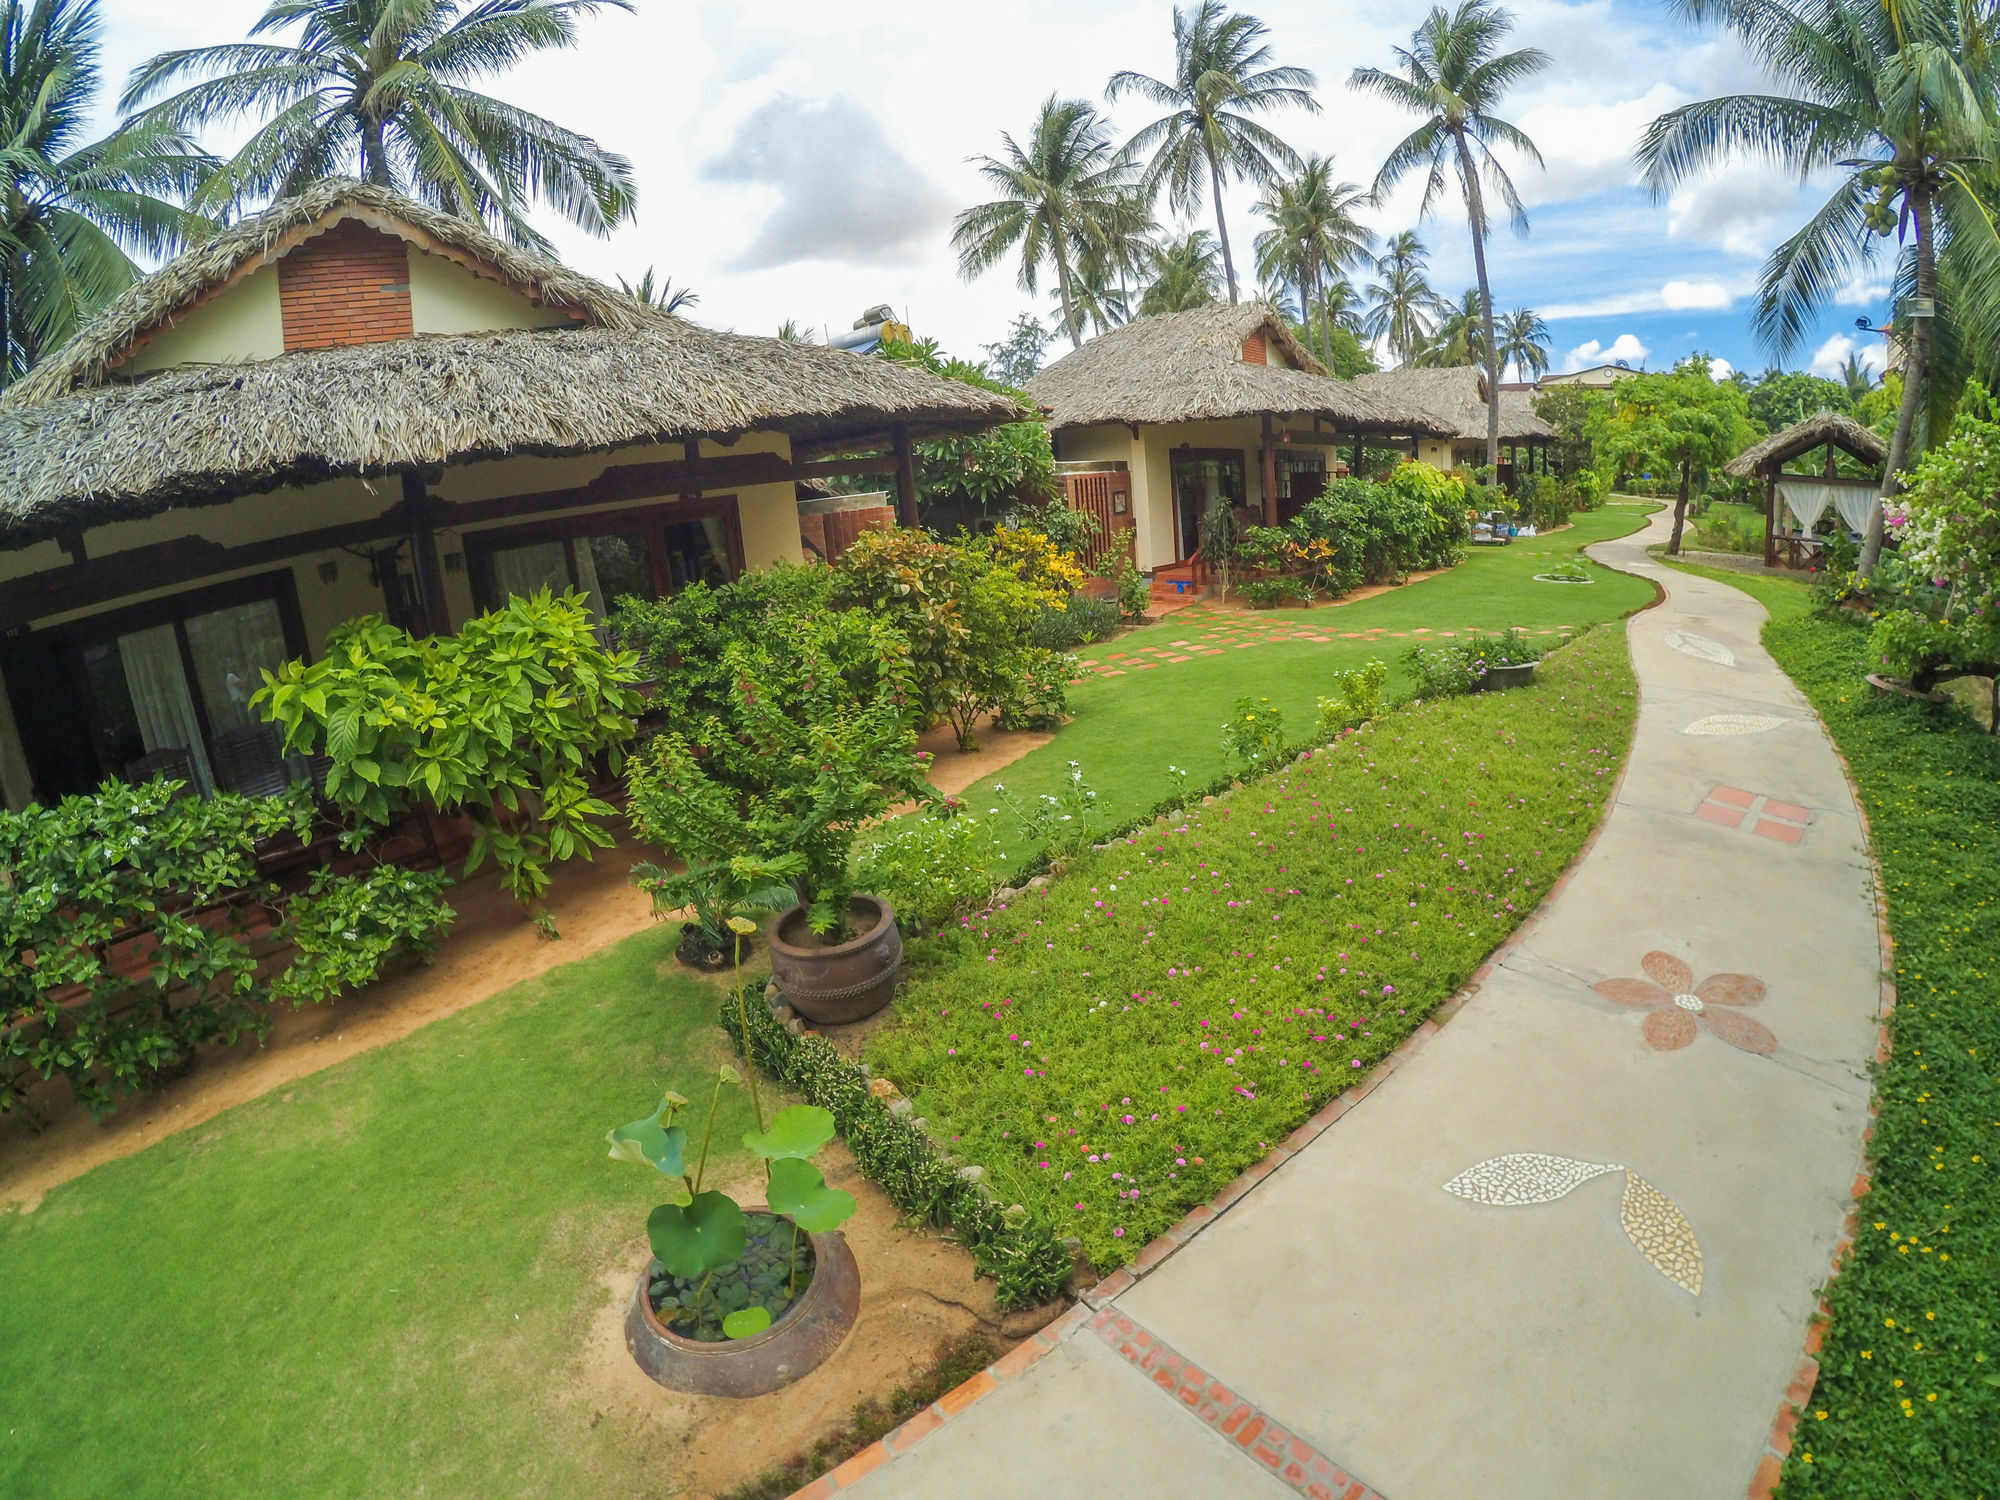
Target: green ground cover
<point>1908,1401</point>
<point>373,1283</point>
<point>1115,1047</point>
<point>1128,730</point>
<point>1729,527</point>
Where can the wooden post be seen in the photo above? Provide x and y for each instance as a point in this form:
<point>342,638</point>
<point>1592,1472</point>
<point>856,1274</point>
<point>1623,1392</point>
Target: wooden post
<point>1770,520</point>
<point>906,480</point>
<point>1355,467</point>
<point>424,555</point>
<point>1270,460</point>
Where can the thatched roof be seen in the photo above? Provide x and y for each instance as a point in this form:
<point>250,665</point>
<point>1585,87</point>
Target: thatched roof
<point>1189,367</point>
<point>1456,396</point>
<point>77,446</point>
<point>1817,430</point>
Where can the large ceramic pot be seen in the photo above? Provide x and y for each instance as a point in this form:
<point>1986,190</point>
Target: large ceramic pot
<point>1503,675</point>
<point>837,983</point>
<point>800,1341</point>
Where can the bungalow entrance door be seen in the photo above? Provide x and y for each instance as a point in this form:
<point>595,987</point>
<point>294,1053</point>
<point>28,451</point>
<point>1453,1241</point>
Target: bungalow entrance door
<point>1204,478</point>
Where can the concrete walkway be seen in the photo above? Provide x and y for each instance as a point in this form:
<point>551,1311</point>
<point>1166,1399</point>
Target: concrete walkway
<point>1650,1116</point>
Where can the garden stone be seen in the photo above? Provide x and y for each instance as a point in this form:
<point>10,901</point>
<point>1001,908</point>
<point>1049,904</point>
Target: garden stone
<point>783,1012</point>
<point>923,1125</point>
<point>795,1026</point>
<point>1038,882</point>
<point>883,1089</point>
<point>901,1108</point>
<point>974,1174</point>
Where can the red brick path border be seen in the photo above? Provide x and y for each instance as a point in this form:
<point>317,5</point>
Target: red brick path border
<point>1096,1300</point>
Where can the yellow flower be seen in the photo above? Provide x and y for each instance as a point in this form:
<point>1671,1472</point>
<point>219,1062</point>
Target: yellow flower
<point>1931,1397</point>
<point>1899,1385</point>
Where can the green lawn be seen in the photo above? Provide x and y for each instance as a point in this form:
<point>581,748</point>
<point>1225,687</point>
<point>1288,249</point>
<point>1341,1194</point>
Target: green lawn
<point>373,1283</point>
<point>1127,730</point>
<point>1729,527</point>
<point>1118,1045</point>
<point>1908,1401</point>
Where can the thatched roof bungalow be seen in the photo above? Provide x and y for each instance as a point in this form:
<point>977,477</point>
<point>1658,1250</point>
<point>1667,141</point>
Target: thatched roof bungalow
<point>1456,396</point>
<point>353,403</point>
<point>1186,410</point>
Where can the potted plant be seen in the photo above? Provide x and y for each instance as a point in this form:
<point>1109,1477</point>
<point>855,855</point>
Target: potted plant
<point>1504,661</point>
<point>811,740</point>
<point>737,1300</point>
<point>716,893</point>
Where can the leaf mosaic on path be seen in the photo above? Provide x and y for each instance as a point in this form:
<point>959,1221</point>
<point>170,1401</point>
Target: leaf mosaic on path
<point>1116,1047</point>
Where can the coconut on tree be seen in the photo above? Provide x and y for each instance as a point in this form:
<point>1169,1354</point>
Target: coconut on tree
<point>1455,77</point>
<point>1223,75</point>
<point>382,90</point>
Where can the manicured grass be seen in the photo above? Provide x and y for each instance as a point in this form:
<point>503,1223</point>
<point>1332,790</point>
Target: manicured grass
<point>375,1282</point>
<point>1744,522</point>
<point>1118,1045</point>
<point>1127,730</point>
<point>1908,1401</point>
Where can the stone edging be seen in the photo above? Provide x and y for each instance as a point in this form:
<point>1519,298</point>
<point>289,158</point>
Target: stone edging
<point>1778,1447</point>
<point>1094,1308</point>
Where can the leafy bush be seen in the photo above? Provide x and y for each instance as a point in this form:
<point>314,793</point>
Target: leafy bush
<point>715,892</point>
<point>1266,592</point>
<point>1359,700</point>
<point>1460,666</point>
<point>85,881</point>
<point>813,739</point>
<point>1377,532</point>
<point>932,868</point>
<point>960,479</point>
<point>500,721</point>
<point>1065,823</point>
<point>1144,1014</point>
<point>1254,733</point>
<point>1587,490</point>
<point>1075,621</point>
<point>967,612</point>
<point>1948,525</point>
<point>1070,531</point>
<point>1135,591</point>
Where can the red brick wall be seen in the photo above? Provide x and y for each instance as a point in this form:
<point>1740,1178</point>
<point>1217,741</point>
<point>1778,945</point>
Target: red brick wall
<point>1254,352</point>
<point>350,285</point>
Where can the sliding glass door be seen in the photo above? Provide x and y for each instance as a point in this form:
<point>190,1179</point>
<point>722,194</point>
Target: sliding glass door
<point>645,554</point>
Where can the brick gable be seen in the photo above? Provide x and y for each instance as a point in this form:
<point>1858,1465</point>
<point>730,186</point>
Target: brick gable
<point>1254,350</point>
<point>350,285</point>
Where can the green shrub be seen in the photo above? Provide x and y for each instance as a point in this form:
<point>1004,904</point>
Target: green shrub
<point>1359,700</point>
<point>1135,591</point>
<point>1587,490</point>
<point>95,874</point>
<point>1075,621</point>
<point>1254,733</point>
<point>793,761</point>
<point>1266,592</point>
<point>932,868</point>
<point>1415,519</point>
<point>500,721</point>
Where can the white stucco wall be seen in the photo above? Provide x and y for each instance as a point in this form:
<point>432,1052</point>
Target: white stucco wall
<point>245,322</point>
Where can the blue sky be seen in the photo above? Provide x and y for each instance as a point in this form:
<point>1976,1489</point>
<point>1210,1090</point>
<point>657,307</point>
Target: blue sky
<point>801,160</point>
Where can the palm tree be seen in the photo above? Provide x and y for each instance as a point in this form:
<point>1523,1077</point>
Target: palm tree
<point>1338,305</point>
<point>380,89</point>
<point>1459,338</point>
<point>1222,76</point>
<point>1054,197</point>
<point>1100,302</point>
<point>664,295</point>
<point>1893,101</point>
<point>1854,375</point>
<point>72,208</point>
<point>1524,344</point>
<point>1402,304</point>
<point>1455,76</point>
<point>1127,232</point>
<point>1186,275</point>
<point>1313,233</point>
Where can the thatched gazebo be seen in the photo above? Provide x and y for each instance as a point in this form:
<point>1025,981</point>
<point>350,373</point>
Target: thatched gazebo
<point>1807,496</point>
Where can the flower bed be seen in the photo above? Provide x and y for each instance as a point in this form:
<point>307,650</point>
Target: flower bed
<point>1115,1047</point>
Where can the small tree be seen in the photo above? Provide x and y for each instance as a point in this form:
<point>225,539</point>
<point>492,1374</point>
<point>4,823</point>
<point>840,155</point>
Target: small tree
<point>965,480</point>
<point>1683,419</point>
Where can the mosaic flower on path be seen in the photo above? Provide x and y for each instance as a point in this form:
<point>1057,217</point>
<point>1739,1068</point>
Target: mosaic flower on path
<point>1676,1005</point>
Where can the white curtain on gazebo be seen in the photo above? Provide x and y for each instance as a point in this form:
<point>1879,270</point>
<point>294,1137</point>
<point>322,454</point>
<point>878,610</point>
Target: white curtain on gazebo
<point>1855,502</point>
<point>1806,499</point>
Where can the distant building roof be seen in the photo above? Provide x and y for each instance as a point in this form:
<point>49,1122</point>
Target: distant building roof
<point>1456,398</point>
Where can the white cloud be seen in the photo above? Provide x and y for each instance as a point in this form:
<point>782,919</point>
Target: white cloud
<point>1625,347</point>
<point>1861,292</point>
<point>1746,211</point>
<point>1831,357</point>
<point>1681,296</point>
<point>1720,369</point>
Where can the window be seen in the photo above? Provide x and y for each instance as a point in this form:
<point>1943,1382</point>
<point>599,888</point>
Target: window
<point>649,553</point>
<point>1204,480</point>
<point>164,689</point>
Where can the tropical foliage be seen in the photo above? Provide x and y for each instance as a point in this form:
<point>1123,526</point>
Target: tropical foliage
<point>1223,75</point>
<point>1186,274</point>
<point>1402,307</point>
<point>1052,194</point>
<point>74,207</point>
<point>1454,76</point>
<point>502,722</point>
<point>1677,423</point>
<point>382,90</point>
<point>1314,236</point>
<point>145,911</point>
<point>965,481</point>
